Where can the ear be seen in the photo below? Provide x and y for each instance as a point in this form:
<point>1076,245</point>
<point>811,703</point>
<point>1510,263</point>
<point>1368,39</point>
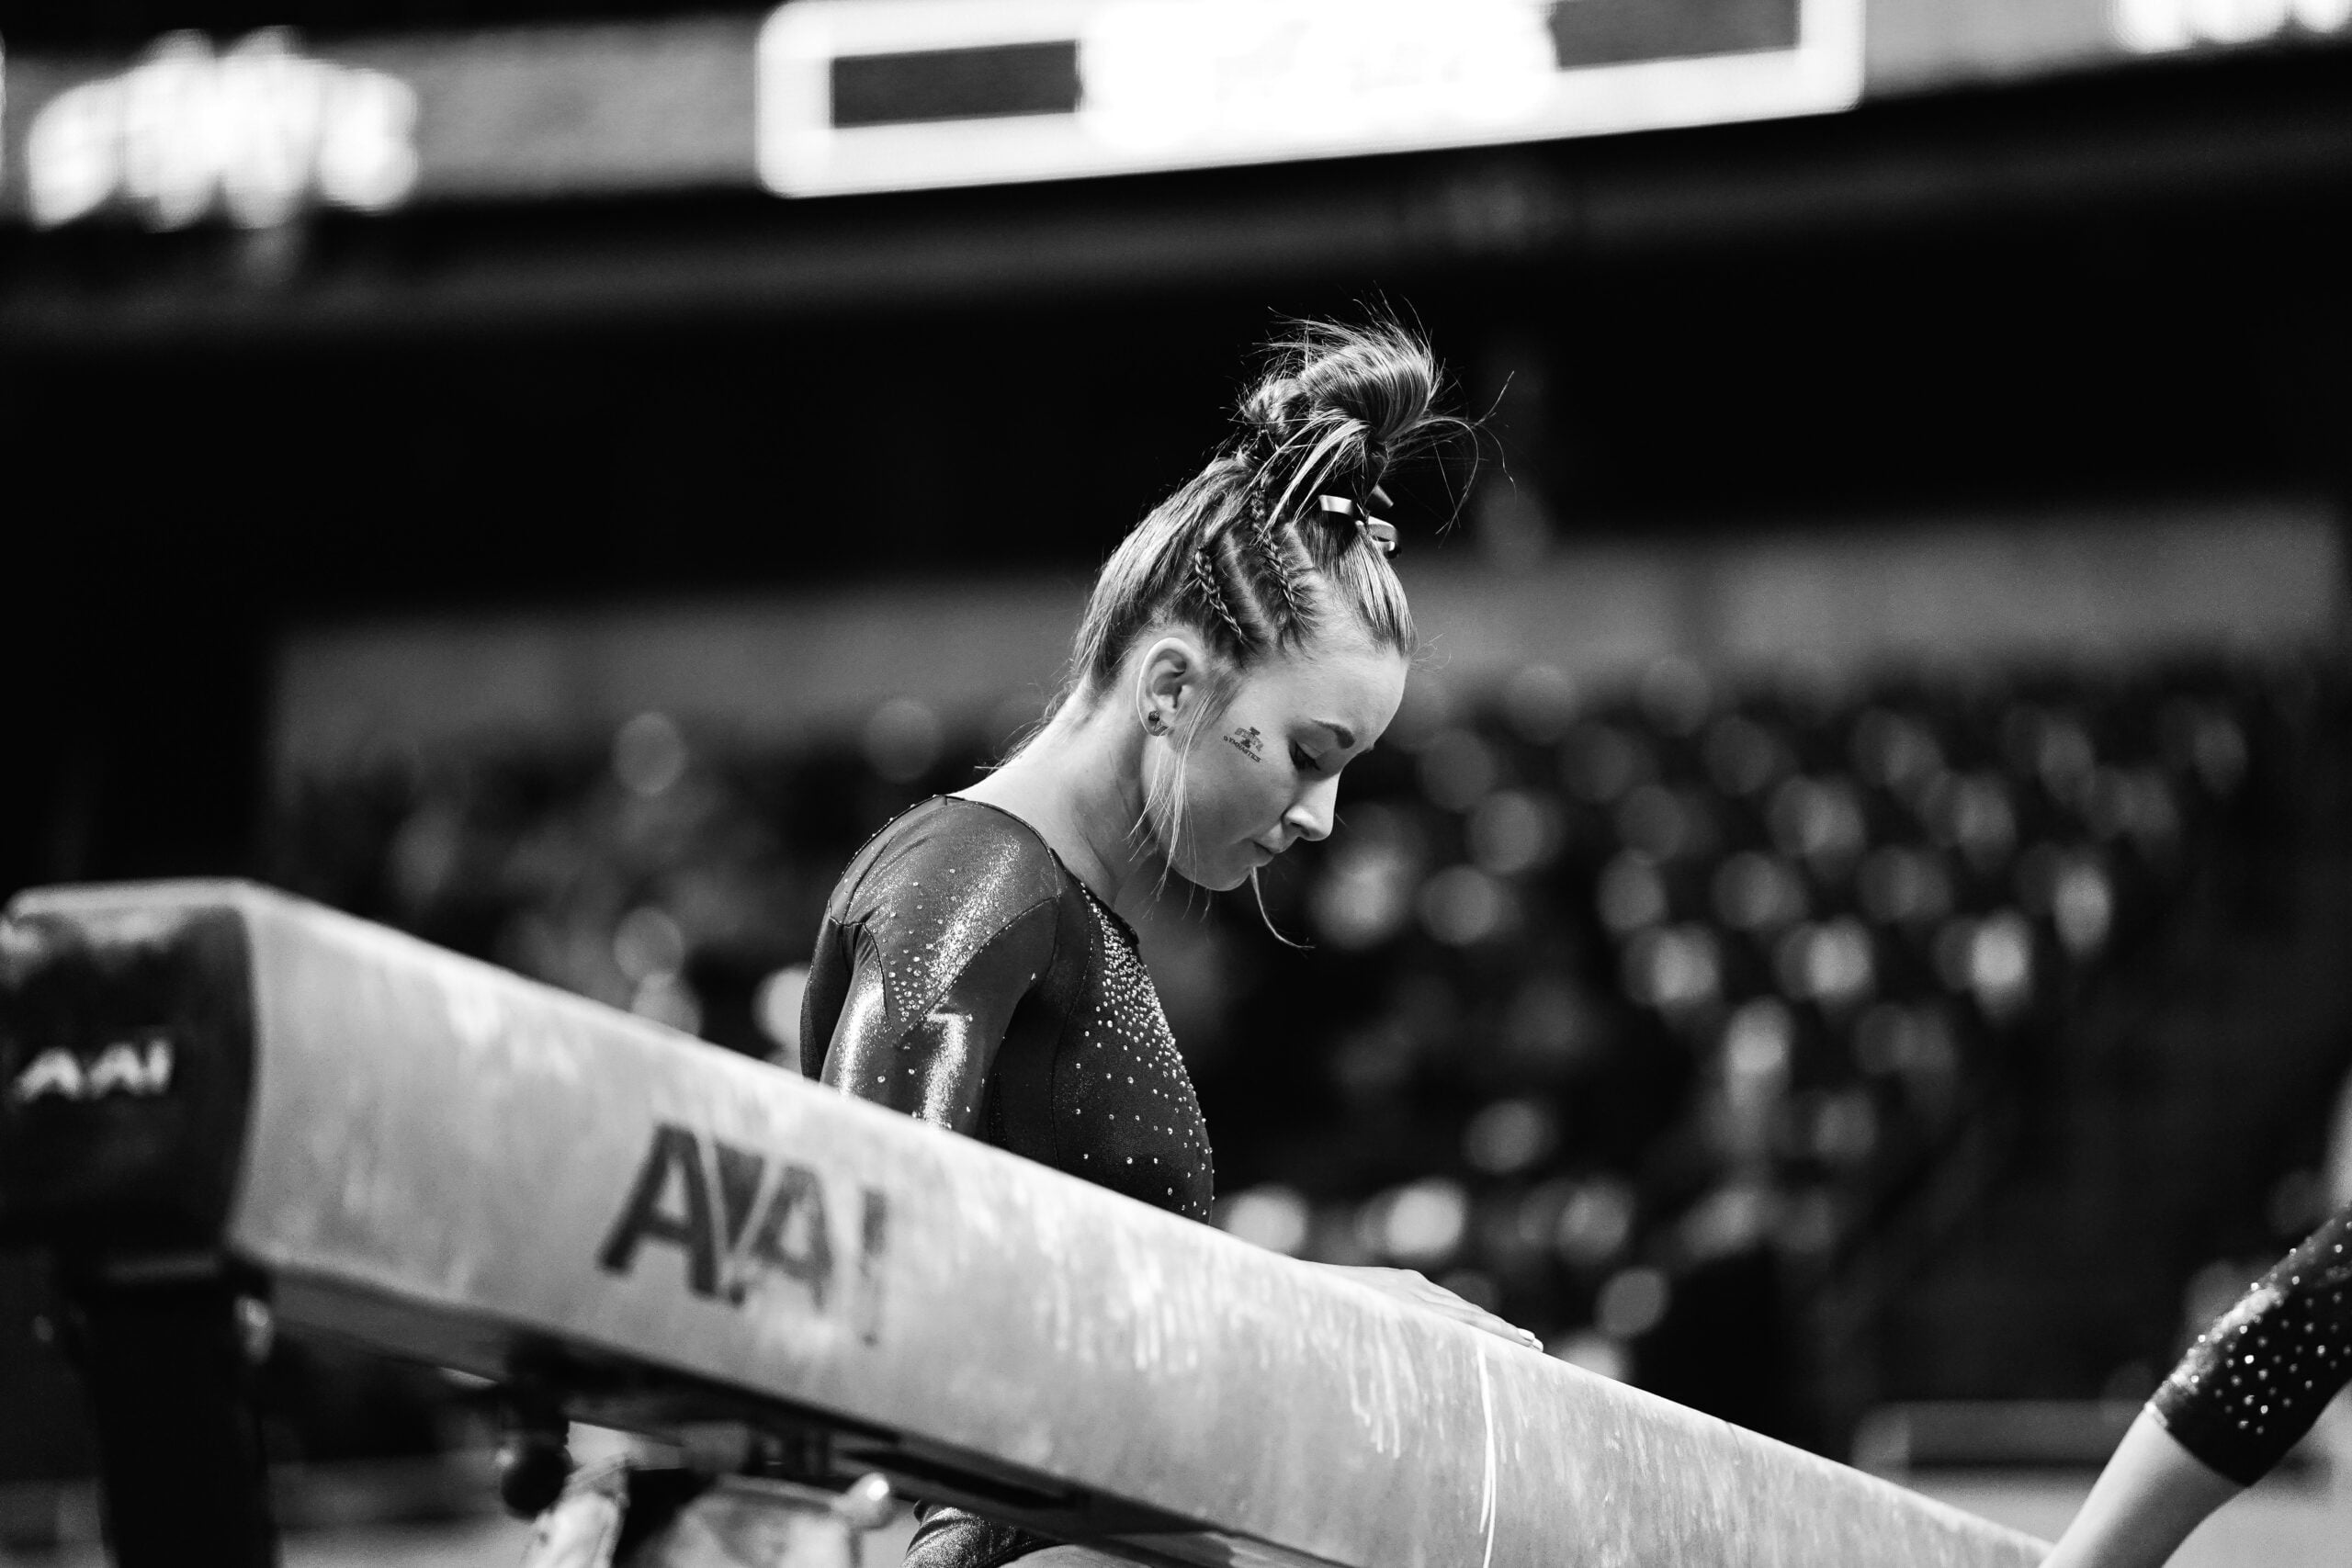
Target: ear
<point>1171,684</point>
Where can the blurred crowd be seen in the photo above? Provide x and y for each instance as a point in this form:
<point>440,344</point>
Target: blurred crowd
<point>1628,1008</point>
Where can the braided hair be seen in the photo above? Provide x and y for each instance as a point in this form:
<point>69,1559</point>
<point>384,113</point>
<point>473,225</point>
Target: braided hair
<point>1244,553</point>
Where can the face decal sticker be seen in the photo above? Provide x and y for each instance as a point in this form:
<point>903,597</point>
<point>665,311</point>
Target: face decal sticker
<point>1289,725</point>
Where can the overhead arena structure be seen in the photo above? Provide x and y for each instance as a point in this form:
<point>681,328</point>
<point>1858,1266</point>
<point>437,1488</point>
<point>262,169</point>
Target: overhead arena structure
<point>217,1094</point>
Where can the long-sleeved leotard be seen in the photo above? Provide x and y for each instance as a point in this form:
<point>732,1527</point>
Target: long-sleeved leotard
<point>2254,1381</point>
<point>965,976</point>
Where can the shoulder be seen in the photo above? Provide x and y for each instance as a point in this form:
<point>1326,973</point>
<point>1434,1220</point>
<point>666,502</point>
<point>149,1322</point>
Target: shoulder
<point>950,852</point>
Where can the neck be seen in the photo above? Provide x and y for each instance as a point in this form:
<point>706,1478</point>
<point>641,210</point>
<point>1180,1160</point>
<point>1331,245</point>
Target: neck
<point>1079,784</point>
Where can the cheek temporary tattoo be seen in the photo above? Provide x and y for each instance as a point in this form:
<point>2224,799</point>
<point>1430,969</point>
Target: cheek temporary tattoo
<point>1249,742</point>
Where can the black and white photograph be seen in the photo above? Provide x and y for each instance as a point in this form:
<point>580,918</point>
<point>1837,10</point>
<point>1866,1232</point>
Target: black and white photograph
<point>1192,784</point>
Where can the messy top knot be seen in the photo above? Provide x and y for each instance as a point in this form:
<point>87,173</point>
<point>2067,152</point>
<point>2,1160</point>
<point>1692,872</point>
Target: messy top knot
<point>1246,552</point>
<point>1345,401</point>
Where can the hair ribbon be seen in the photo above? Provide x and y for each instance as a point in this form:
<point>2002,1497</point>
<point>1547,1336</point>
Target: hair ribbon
<point>1377,532</point>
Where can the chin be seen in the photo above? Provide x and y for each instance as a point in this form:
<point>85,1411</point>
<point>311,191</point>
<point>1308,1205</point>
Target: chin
<point>1216,879</point>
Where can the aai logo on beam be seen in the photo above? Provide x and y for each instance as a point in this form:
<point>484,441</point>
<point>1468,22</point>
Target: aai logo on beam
<point>138,1069</point>
<point>738,1220</point>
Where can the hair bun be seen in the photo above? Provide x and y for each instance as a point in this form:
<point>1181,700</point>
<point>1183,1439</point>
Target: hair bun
<point>1345,401</point>
<point>1274,541</point>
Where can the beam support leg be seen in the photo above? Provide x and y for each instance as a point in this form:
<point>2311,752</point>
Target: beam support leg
<point>169,1371</point>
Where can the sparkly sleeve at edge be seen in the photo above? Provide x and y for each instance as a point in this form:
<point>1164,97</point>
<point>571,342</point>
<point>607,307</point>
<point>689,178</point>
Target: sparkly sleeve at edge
<point>2256,1380</point>
<point>945,954</point>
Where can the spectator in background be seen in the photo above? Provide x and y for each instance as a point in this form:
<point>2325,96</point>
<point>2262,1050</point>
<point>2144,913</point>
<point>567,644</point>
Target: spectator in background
<point>2245,1393</point>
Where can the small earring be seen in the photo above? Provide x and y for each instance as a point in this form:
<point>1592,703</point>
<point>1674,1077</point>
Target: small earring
<point>1153,722</point>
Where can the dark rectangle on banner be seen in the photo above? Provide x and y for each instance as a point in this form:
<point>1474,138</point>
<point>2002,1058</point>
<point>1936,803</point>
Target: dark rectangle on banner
<point>924,85</point>
<point>1619,33</point>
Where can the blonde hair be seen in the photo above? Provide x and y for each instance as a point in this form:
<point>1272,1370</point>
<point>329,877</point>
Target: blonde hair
<point>1243,553</point>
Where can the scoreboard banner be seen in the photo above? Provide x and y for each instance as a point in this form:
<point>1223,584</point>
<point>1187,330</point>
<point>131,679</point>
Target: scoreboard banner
<point>871,94</point>
<point>826,97</point>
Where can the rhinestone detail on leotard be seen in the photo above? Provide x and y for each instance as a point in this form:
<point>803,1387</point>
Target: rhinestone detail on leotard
<point>963,975</point>
<point>2254,1381</point>
<point>1143,1134</point>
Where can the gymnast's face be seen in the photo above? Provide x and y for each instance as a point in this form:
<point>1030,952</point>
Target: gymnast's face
<point>1263,771</point>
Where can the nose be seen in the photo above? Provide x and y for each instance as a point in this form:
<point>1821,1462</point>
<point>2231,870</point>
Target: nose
<point>1311,814</point>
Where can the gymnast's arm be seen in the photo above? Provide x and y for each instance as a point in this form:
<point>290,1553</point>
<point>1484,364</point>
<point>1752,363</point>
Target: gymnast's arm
<point>2245,1393</point>
<point>2150,1495</point>
<point>920,1035</point>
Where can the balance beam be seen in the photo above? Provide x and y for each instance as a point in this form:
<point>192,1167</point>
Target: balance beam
<point>439,1160</point>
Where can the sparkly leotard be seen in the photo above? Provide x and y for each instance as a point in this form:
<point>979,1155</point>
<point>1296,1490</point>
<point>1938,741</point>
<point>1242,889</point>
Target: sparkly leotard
<point>963,975</point>
<point>2254,1381</point>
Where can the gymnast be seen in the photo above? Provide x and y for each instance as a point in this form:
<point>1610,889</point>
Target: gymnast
<point>1245,641</point>
<point>2245,1392</point>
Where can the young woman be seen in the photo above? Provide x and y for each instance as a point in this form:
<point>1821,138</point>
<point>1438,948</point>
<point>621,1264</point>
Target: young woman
<point>2245,1393</point>
<point>1243,645</point>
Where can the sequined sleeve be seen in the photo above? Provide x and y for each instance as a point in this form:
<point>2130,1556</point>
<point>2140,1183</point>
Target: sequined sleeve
<point>943,938</point>
<point>2256,1380</point>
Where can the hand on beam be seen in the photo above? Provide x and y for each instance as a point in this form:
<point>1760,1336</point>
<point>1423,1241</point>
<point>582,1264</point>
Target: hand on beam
<point>1417,1290</point>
